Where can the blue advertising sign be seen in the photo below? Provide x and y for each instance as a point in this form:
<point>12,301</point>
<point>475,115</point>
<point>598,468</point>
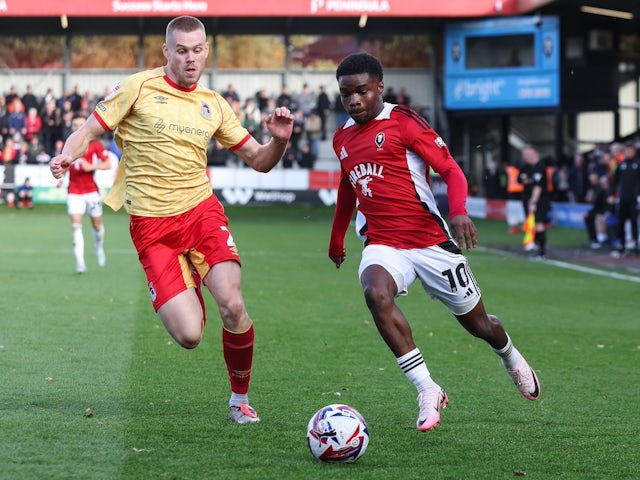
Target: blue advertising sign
<point>502,63</point>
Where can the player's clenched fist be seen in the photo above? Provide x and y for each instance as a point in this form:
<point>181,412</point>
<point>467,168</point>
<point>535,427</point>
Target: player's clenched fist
<point>59,165</point>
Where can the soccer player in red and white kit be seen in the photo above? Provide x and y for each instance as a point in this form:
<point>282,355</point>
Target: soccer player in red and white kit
<point>386,152</point>
<point>164,121</point>
<point>83,197</point>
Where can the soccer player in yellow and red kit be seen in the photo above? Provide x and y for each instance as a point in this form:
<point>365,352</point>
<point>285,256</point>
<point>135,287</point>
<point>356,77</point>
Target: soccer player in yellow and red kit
<point>163,121</point>
<point>83,196</point>
<point>386,152</point>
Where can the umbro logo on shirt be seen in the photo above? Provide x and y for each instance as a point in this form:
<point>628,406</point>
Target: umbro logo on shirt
<point>161,100</point>
<point>343,153</point>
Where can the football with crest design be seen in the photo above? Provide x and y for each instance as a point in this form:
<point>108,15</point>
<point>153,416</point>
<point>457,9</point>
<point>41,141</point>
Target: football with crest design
<point>337,433</point>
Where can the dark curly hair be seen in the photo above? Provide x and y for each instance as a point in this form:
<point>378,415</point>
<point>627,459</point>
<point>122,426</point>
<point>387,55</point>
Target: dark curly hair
<point>360,63</point>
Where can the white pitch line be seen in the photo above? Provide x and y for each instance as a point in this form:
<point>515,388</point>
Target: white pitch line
<point>594,271</point>
<point>573,266</point>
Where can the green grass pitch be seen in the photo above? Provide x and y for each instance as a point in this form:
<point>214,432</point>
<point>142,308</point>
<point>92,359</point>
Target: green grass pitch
<point>92,387</point>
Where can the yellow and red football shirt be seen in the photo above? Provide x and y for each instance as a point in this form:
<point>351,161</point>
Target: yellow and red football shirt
<point>163,131</point>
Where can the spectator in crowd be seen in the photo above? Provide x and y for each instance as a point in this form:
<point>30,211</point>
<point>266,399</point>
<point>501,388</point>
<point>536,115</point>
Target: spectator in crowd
<point>323,108</point>
<point>33,124</point>
<point>262,98</point>
<point>17,118</point>
<point>9,152</point>
<point>252,118</point>
<point>57,150</point>
<point>90,102</point>
<point>403,97</point>
<point>560,181</point>
<point>627,189</point>
<point>390,95</point>
<point>306,158</point>
<point>11,96</point>
<point>230,94</point>
<point>599,196</point>
<point>50,130</point>
<point>298,131</point>
<point>304,100</point>
<point>63,98</point>
<point>36,153</point>
<point>46,98</point>
<point>75,99</point>
<point>312,131</point>
<point>25,194</point>
<point>290,156</point>
<point>618,153</point>
<point>4,129</point>
<point>284,99</point>
<point>495,181</point>
<point>577,178</point>
<point>22,148</point>
<point>29,100</point>
<point>339,111</point>
<point>601,164</point>
<point>66,124</point>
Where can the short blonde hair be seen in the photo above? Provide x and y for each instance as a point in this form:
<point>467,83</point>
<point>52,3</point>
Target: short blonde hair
<point>184,24</point>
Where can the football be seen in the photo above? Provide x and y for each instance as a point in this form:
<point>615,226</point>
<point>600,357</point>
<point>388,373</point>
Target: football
<point>337,433</point>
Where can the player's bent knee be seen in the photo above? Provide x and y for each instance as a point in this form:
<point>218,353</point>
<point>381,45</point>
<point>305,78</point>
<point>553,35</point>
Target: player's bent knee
<point>188,342</point>
<point>232,312</point>
<point>377,298</point>
<point>188,335</point>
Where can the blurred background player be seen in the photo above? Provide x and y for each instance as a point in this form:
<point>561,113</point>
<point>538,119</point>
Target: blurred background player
<point>83,197</point>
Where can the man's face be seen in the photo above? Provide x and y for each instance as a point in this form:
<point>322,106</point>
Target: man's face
<point>76,123</point>
<point>530,155</point>
<point>186,53</point>
<point>630,151</point>
<point>361,96</point>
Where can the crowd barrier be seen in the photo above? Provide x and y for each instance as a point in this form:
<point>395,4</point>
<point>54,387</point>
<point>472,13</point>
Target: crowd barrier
<point>244,186</point>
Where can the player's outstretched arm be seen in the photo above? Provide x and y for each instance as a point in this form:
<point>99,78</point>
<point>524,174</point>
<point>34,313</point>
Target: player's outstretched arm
<point>75,146</point>
<point>264,157</point>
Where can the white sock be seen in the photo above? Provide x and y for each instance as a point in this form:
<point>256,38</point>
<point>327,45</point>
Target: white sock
<point>413,366</point>
<point>509,354</point>
<point>238,399</point>
<point>98,237</point>
<point>78,243</point>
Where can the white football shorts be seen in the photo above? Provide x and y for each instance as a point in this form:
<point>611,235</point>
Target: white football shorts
<point>89,203</point>
<point>445,276</point>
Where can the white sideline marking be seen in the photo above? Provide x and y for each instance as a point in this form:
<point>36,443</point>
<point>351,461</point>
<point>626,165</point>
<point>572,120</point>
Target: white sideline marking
<point>594,271</point>
<point>572,266</point>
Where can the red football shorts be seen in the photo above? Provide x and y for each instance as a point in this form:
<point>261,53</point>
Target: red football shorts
<point>177,252</point>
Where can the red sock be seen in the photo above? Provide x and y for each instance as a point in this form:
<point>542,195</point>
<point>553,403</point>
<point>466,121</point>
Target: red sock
<point>238,355</point>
